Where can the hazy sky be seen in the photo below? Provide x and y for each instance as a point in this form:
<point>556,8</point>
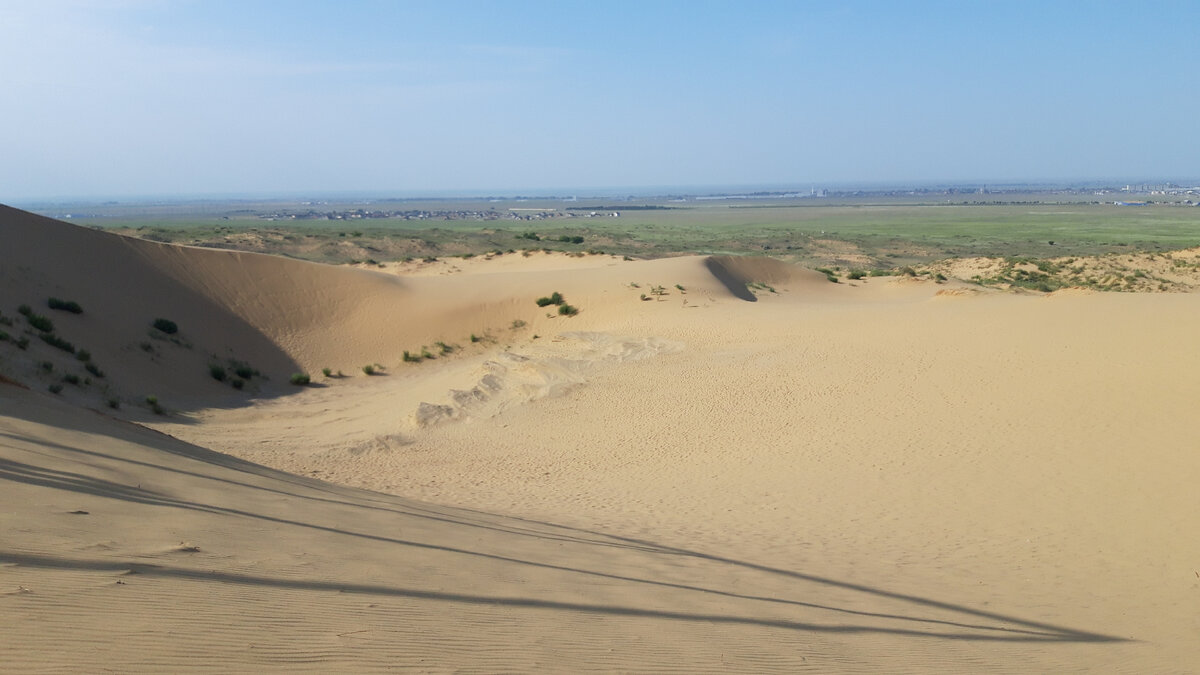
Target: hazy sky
<point>129,97</point>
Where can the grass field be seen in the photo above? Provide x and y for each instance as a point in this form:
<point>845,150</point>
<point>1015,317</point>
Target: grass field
<point>816,232</point>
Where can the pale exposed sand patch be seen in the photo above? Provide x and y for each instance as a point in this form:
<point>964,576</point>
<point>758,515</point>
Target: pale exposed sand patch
<point>891,475</point>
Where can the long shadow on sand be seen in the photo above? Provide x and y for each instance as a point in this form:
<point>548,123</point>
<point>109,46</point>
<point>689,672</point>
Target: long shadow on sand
<point>971,624</point>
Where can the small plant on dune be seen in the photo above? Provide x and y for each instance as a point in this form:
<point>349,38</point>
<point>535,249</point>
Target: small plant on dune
<point>409,357</point>
<point>46,366</point>
<point>65,305</point>
<point>645,297</point>
<point>83,355</point>
<point>567,310</point>
<point>39,322</point>
<point>55,388</point>
<point>443,347</point>
<point>517,323</point>
<point>908,271</point>
<point>475,338</point>
<point>856,274</point>
<point>680,287</point>
<point>4,337</point>
<point>152,402</point>
<point>369,369</point>
<point>299,379</point>
<point>71,378</point>
<point>166,325</point>
<point>243,370</point>
<point>146,347</point>
<point>114,403</point>
<point>23,343</point>
<point>327,372</point>
<point>217,372</point>
<point>880,273</point>
<point>57,342</point>
<point>425,353</point>
<point>93,369</point>
<point>237,383</point>
<point>658,290</point>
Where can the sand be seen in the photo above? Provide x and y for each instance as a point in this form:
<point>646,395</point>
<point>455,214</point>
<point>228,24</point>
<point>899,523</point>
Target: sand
<point>760,472</point>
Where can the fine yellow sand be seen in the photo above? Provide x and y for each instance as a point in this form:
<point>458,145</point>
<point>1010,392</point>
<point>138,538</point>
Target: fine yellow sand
<point>760,472</point>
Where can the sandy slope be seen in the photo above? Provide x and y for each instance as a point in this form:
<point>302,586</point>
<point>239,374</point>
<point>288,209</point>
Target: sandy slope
<point>763,471</point>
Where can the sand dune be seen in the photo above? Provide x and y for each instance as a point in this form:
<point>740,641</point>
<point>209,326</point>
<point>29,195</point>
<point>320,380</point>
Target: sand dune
<point>751,469</point>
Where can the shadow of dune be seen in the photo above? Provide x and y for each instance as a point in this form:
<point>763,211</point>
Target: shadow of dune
<point>731,282</point>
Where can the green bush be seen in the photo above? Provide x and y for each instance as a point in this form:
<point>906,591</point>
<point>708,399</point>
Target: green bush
<point>567,310</point>
<point>83,355</point>
<point>57,342</point>
<point>55,388</point>
<point>244,371</point>
<point>555,298</point>
<point>167,326</point>
<point>327,372</point>
<point>152,401</point>
<point>475,338</point>
<point>856,274</point>
<point>71,378</point>
<point>369,369</point>
<point>237,383</point>
<point>65,305</point>
<point>410,357</point>
<point>217,372</point>
<point>4,337</point>
<point>46,366</point>
<point>114,403</point>
<point>299,379</point>
<point>93,369</point>
<point>40,322</point>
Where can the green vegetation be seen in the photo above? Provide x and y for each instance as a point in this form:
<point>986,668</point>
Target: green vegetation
<point>57,342</point>
<point>55,388</point>
<point>93,369</point>
<point>37,321</point>
<point>299,379</point>
<point>65,305</point>
<point>567,310</point>
<point>554,298</point>
<point>152,401</point>
<point>327,372</point>
<point>114,403</point>
<point>370,369</point>
<point>166,326</point>
<point>71,378</point>
<point>517,323</point>
<point>856,274</point>
<point>83,355</point>
<point>217,372</point>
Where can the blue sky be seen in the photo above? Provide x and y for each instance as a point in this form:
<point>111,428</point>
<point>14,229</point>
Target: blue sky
<point>149,97</point>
